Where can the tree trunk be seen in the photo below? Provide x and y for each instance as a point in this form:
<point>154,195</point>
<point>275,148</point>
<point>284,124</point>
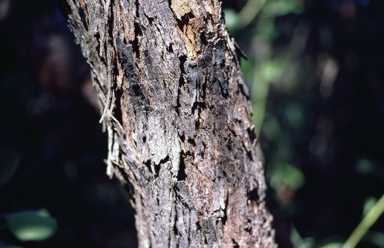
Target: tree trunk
<point>178,117</point>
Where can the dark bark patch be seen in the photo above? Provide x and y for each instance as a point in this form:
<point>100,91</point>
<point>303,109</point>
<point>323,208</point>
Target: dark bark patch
<point>161,163</point>
<point>148,164</point>
<point>183,195</point>
<point>150,20</point>
<point>251,133</point>
<point>117,110</point>
<point>181,23</point>
<point>220,48</point>
<point>135,42</point>
<point>235,244</point>
<point>192,141</point>
<point>203,38</point>
<point>230,173</point>
<point>193,77</point>
<point>170,48</point>
<point>249,154</point>
<point>248,228</point>
<point>206,56</point>
<point>228,145</point>
<point>225,216</point>
<point>181,176</point>
<point>97,37</point>
<point>253,195</point>
<point>138,95</point>
<point>198,105</point>
<point>197,125</point>
<point>182,59</point>
<point>194,107</point>
<point>208,229</point>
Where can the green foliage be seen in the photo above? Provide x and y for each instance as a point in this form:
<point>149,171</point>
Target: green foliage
<point>369,219</point>
<point>25,225</point>
<point>279,69</point>
<point>283,78</point>
<point>332,245</point>
<point>281,7</point>
<point>31,225</point>
<point>375,238</point>
<point>298,241</point>
<point>370,168</point>
<point>287,176</point>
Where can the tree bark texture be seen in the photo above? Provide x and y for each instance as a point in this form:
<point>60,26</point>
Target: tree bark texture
<point>177,113</point>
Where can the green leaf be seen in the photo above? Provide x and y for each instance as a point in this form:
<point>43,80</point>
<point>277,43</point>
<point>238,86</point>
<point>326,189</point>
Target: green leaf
<point>287,175</point>
<point>282,7</point>
<point>31,225</point>
<point>365,224</point>
<point>332,245</point>
<point>9,161</point>
<point>230,18</point>
<point>368,204</point>
<point>365,166</point>
<point>272,70</point>
<point>294,177</point>
<point>375,238</point>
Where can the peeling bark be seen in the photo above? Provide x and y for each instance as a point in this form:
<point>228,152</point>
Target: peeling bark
<point>178,117</point>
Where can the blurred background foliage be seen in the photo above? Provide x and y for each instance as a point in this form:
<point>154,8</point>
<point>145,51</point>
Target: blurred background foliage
<point>315,71</point>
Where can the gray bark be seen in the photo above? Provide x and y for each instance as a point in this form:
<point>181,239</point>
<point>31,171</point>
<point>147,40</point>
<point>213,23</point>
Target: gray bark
<point>178,117</point>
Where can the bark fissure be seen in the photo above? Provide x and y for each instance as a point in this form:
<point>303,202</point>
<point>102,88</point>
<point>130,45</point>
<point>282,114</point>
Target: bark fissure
<point>178,119</point>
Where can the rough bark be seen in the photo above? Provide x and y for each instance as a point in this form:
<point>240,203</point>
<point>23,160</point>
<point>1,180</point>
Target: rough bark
<point>178,118</point>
